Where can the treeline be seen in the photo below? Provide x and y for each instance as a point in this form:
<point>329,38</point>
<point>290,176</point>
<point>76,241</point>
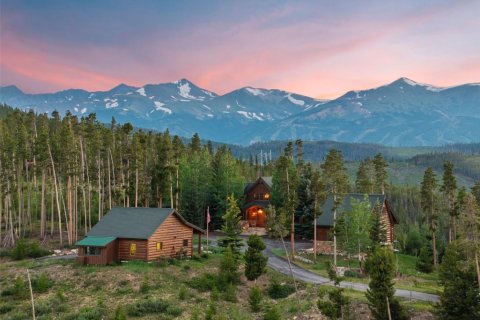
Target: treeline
<point>467,165</point>
<point>60,175</point>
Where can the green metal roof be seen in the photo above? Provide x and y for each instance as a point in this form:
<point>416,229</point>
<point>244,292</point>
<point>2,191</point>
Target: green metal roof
<point>95,241</point>
<point>133,223</point>
<point>326,218</point>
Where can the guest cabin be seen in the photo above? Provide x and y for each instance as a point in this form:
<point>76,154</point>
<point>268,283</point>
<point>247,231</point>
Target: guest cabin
<point>378,203</point>
<point>257,199</point>
<point>138,234</point>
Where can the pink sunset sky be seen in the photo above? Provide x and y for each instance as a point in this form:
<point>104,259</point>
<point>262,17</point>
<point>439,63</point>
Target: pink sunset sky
<point>315,48</point>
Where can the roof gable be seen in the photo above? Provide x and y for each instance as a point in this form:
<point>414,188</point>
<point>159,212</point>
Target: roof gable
<point>266,180</point>
<point>133,223</point>
<point>326,218</point>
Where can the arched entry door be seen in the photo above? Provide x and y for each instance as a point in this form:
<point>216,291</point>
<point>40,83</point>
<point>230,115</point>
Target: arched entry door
<point>256,216</point>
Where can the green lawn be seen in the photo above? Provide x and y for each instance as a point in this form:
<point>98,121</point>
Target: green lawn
<point>409,278</point>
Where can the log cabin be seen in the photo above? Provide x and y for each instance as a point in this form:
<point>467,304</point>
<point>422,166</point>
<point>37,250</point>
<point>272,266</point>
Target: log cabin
<point>324,223</point>
<point>257,199</point>
<point>138,234</point>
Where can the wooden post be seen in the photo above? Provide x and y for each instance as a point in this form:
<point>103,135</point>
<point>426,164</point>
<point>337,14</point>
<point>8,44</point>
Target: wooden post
<point>31,294</point>
<point>199,243</point>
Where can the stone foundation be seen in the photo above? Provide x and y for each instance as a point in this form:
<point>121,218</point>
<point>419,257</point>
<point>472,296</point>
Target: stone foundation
<point>324,247</point>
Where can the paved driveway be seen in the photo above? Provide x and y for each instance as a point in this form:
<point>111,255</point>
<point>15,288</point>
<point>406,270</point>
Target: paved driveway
<point>281,265</point>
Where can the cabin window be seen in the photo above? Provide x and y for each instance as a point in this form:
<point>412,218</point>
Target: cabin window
<point>133,249</point>
<point>185,243</point>
<point>159,246</point>
<point>92,251</point>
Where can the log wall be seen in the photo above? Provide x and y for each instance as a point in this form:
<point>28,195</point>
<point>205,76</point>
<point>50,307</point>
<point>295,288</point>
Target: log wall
<point>124,249</point>
<point>171,234</point>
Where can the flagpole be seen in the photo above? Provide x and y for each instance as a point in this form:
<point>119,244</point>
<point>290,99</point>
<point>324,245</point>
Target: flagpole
<point>208,221</point>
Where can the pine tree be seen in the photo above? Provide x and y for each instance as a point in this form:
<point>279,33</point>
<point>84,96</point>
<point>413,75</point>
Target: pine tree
<point>364,182</point>
<point>380,173</point>
<point>429,206</point>
<point>476,191</point>
<point>424,261</point>
<point>449,188</point>
<point>255,261</point>
<point>231,227</point>
<point>284,191</point>
<point>336,183</point>
<point>460,297</point>
<point>377,232</point>
<point>380,294</point>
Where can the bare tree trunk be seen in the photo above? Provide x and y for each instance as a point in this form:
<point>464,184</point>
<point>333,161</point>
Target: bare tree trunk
<point>315,232</point>
<point>136,187</point>
<point>109,184</point>
<point>171,189</point>
<point>42,205</point>
<point>113,174</point>
<point>434,250</point>
<point>176,191</point>
<point>478,268</point>
<point>292,227</point>
<point>334,231</point>
<point>289,265</point>
<point>56,196</point>
<point>31,294</point>
<point>69,210</point>
<point>99,190</point>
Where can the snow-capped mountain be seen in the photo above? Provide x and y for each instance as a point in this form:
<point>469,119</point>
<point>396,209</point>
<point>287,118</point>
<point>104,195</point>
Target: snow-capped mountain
<point>403,112</point>
<point>181,106</point>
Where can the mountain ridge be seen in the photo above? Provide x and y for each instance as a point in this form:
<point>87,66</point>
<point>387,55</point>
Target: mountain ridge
<point>402,112</point>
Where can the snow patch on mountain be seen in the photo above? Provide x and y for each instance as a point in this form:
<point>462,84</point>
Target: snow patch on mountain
<point>250,115</point>
<point>111,103</point>
<point>160,107</point>
<point>141,91</point>
<point>255,92</point>
<point>184,91</point>
<point>295,101</point>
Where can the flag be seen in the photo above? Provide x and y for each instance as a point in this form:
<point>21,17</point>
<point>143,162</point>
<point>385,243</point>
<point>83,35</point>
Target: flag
<point>208,215</point>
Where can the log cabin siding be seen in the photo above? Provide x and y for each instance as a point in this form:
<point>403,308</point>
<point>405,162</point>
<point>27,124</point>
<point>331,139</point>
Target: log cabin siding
<point>124,249</point>
<point>171,234</point>
<point>108,255</point>
<point>259,188</point>
<point>323,233</point>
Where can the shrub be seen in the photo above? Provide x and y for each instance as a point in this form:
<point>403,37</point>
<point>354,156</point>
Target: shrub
<point>278,291</point>
<point>204,282</point>
<point>350,274</point>
<point>120,313</point>
<point>424,263</point>
<point>255,299</point>
<point>174,311</point>
<point>211,311</point>
<point>182,293</point>
<point>20,289</point>
<point>23,250</point>
<point>88,313</point>
<point>145,307</point>
<point>230,293</point>
<point>228,271</point>
<point>144,286</point>
<point>41,283</point>
<point>214,294</point>
<point>337,305</point>
<point>5,308</point>
<point>272,313</point>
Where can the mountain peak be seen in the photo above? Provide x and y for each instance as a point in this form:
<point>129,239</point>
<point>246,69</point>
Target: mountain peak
<point>11,90</point>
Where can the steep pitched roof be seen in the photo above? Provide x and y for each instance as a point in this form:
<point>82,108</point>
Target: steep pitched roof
<point>326,218</point>
<point>133,223</point>
<point>266,180</point>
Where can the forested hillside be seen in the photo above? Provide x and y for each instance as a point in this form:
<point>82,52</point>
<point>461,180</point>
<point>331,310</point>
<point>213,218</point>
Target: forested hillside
<point>60,175</point>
